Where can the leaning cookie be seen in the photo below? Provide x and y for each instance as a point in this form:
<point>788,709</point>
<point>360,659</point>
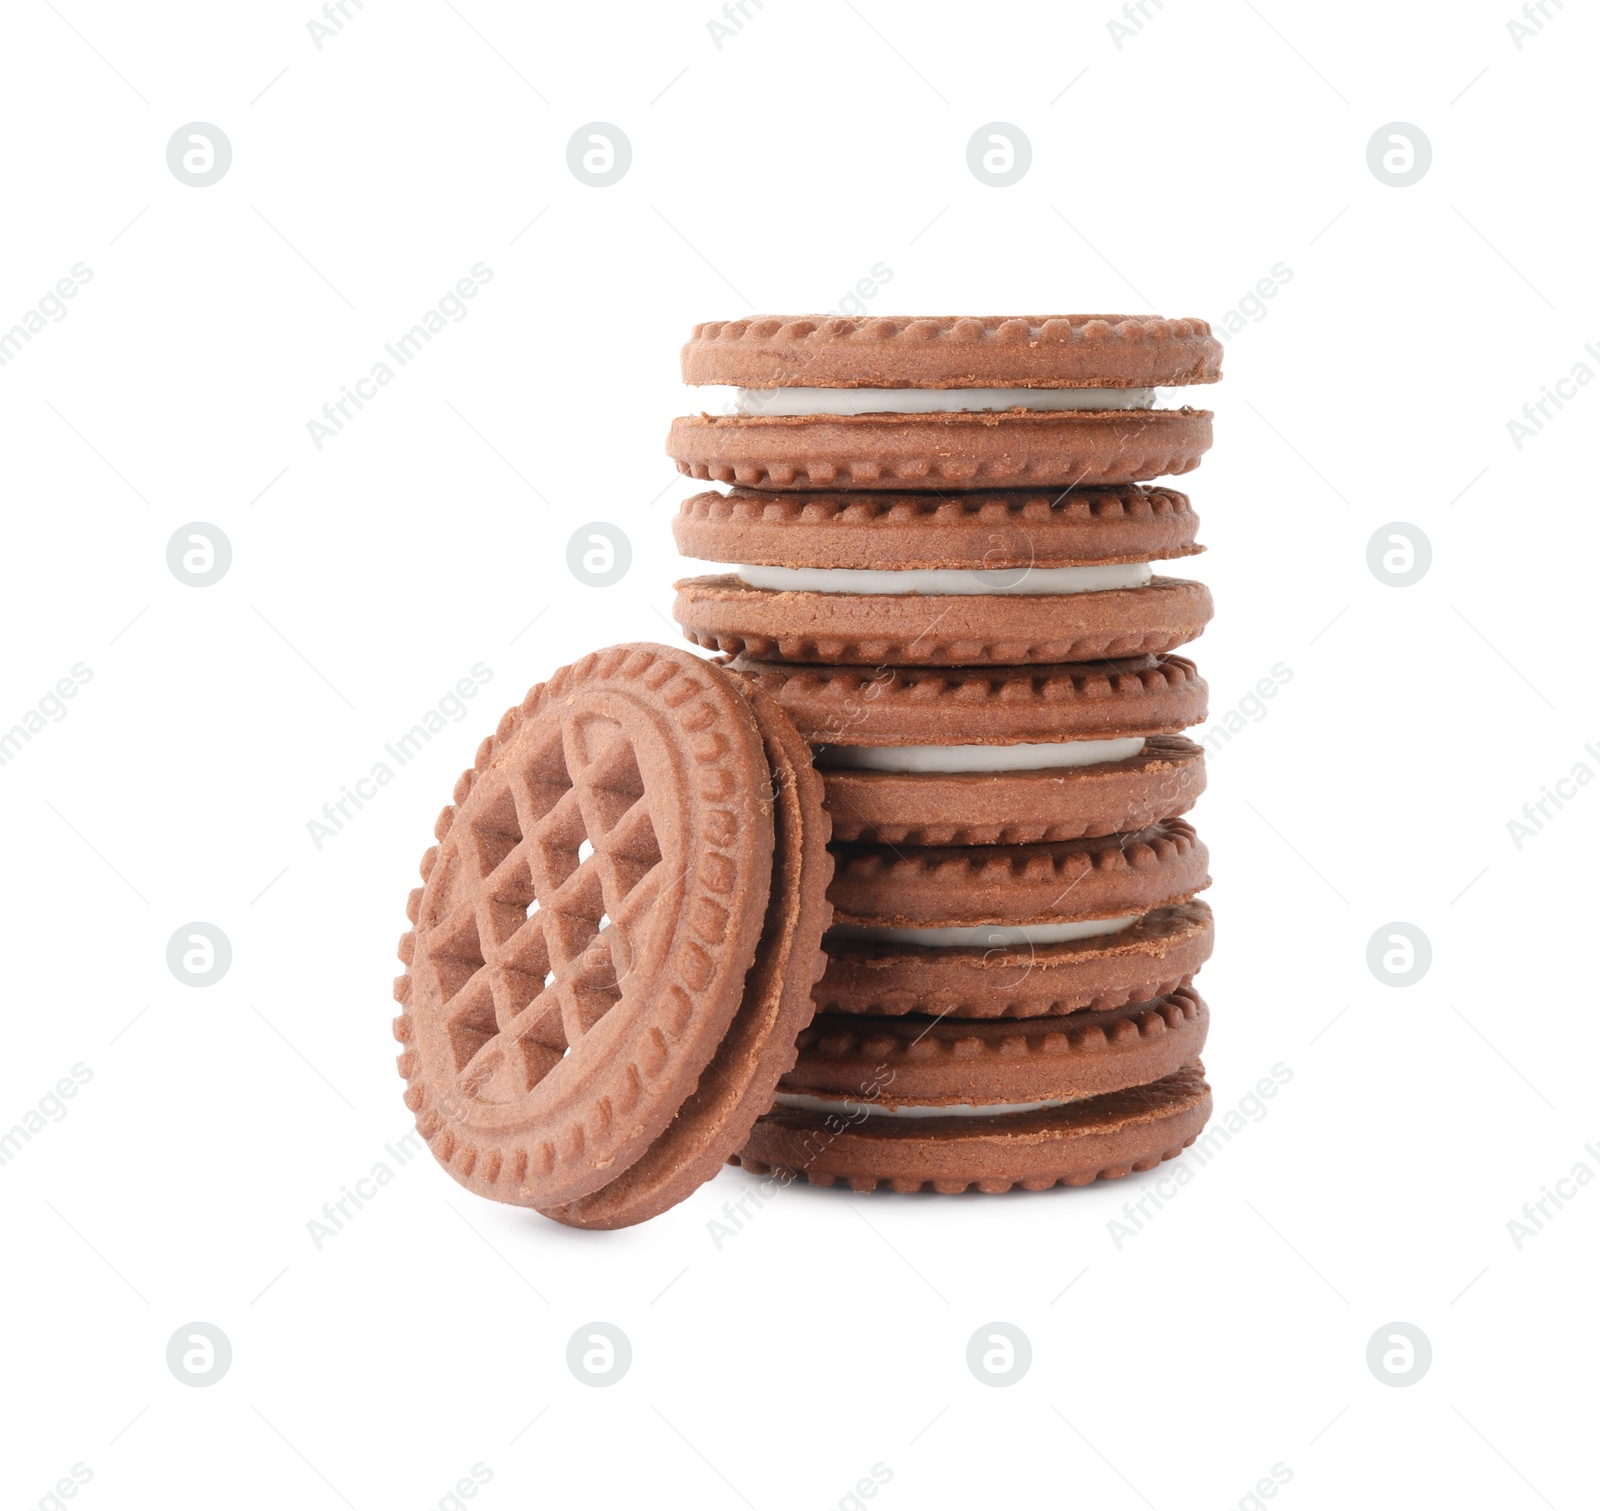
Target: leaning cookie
<point>613,948</point>
<point>949,402</point>
<point>1004,755</point>
<point>993,1148</point>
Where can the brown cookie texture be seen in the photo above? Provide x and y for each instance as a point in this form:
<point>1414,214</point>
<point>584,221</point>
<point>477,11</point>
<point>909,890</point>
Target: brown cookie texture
<point>900,629</point>
<point>1098,1138</point>
<point>1012,448</point>
<point>953,351</point>
<point>1001,531</point>
<point>1016,807</point>
<point>760,1045</point>
<point>854,705</point>
<point>916,1061</point>
<point>942,885</point>
<point>1150,958</point>
<point>586,924</point>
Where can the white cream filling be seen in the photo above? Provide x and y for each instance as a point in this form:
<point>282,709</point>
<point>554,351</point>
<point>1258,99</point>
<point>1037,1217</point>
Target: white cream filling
<point>989,936</point>
<point>845,401</point>
<point>951,582</point>
<point>852,1109</point>
<point>959,758</point>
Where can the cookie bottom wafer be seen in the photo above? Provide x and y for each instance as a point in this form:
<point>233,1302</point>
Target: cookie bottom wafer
<point>727,614</point>
<point>1014,807</point>
<point>1109,876</point>
<point>1010,449</point>
<point>1099,1138</point>
<point>1150,958</point>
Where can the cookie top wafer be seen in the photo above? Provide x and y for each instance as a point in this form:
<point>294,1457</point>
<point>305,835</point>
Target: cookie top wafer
<point>586,924</point>
<point>729,614</point>
<point>953,351</point>
<point>999,705</point>
<point>998,531</point>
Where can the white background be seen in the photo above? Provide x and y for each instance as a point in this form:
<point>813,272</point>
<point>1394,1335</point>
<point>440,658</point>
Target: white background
<point>1169,174</point>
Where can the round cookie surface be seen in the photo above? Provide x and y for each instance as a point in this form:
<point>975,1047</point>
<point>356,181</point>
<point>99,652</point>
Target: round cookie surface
<point>896,629</point>
<point>1015,807</point>
<point>1149,959</point>
<point>1100,1137</point>
<point>851,705</point>
<point>953,351</point>
<point>586,923</point>
<point>1001,449</point>
<point>925,1063</point>
<point>940,886</point>
<point>995,531</point>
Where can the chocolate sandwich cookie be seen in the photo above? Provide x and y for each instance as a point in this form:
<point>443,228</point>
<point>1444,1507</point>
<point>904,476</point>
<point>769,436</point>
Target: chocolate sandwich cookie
<point>1016,931</point>
<point>916,1064</point>
<point>897,579</point>
<point>949,402</point>
<point>628,890</point>
<point>1100,1137</point>
<point>1006,755</point>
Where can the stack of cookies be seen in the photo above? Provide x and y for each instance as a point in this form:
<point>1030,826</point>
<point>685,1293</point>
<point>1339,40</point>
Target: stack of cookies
<point>943,547</point>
